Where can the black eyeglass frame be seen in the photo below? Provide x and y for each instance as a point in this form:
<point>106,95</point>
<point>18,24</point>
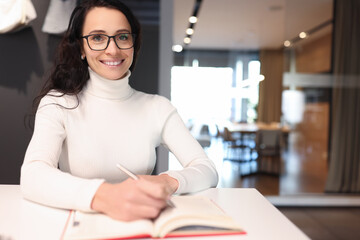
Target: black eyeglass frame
<point>109,38</point>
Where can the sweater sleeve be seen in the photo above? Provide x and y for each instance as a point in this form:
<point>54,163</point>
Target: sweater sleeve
<point>199,171</point>
<point>41,181</point>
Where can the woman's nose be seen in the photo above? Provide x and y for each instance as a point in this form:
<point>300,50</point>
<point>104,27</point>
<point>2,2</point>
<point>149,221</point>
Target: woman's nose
<point>112,48</point>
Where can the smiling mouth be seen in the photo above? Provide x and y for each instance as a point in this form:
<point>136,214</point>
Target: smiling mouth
<point>112,63</point>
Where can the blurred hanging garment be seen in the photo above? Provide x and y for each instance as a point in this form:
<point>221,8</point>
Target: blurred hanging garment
<point>15,15</point>
<point>58,16</point>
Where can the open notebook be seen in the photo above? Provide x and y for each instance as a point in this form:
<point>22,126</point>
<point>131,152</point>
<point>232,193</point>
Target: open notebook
<point>192,216</point>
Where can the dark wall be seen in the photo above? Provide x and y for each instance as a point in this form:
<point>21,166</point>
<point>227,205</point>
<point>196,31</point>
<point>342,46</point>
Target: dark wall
<point>25,57</point>
<point>146,73</point>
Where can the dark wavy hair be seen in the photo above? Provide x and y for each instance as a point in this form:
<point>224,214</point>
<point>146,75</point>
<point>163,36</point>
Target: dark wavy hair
<point>70,73</point>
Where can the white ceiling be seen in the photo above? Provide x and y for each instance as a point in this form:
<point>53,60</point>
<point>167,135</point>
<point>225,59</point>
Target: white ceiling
<point>248,24</point>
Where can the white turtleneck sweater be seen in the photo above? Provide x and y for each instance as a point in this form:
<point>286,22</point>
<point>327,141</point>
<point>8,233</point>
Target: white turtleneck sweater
<point>77,142</point>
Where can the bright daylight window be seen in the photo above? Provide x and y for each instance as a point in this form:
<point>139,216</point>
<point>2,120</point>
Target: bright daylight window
<point>209,95</point>
<point>201,93</point>
<point>253,89</point>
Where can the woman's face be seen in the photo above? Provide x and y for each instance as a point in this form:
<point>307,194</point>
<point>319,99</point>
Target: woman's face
<point>111,63</point>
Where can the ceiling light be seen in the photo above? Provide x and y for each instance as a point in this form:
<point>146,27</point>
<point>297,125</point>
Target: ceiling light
<point>187,40</point>
<point>189,31</point>
<point>303,35</point>
<point>287,43</point>
<point>177,48</point>
<point>193,19</point>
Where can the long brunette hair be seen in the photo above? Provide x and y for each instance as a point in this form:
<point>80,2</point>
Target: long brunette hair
<point>70,73</point>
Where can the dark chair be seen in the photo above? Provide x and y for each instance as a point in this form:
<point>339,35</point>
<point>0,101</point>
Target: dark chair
<point>235,148</point>
<point>268,148</point>
<point>202,134</point>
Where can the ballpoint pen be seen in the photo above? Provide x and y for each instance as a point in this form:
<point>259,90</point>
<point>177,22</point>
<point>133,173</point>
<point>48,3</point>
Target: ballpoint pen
<point>133,176</point>
<point>75,220</point>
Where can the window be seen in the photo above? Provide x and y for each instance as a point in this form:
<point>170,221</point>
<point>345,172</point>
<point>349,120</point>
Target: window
<point>201,93</point>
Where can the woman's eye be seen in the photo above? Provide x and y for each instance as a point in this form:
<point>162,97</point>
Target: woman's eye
<point>123,37</point>
<point>98,38</point>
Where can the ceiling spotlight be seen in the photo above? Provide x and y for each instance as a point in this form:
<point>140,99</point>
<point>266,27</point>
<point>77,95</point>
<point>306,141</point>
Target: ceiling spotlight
<point>287,43</point>
<point>189,31</point>
<point>193,19</point>
<point>303,35</point>
<point>187,40</point>
<point>177,48</point>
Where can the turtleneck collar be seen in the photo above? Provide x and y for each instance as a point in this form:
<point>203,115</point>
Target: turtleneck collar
<point>109,89</point>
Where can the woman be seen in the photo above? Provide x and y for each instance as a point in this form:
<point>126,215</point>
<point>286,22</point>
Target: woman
<point>89,119</point>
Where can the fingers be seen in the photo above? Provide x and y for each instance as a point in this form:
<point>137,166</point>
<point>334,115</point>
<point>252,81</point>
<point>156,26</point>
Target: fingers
<point>145,198</point>
<point>147,195</point>
<point>136,212</point>
<point>153,188</point>
<point>142,198</point>
<point>132,199</point>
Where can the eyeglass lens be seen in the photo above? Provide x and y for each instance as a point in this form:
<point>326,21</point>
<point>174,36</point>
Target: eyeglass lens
<point>101,41</point>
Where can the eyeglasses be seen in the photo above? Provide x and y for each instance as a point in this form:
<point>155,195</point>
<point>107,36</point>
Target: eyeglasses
<point>99,42</point>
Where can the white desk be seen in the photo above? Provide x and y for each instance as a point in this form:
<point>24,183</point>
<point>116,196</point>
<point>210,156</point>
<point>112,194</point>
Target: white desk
<point>24,220</point>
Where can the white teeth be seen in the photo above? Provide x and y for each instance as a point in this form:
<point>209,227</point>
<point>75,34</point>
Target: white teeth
<point>112,63</point>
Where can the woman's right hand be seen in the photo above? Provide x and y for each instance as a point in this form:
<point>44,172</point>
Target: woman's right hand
<point>131,199</point>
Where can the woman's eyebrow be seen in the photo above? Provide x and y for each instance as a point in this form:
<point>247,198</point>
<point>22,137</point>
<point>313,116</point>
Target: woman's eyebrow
<point>123,30</point>
<point>97,31</point>
<point>104,32</point>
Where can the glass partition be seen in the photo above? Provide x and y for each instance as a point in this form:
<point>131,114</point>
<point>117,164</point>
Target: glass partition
<point>306,93</point>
